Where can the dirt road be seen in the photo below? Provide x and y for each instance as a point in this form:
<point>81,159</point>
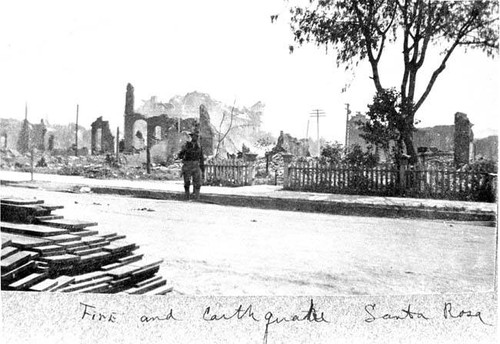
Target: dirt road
<point>216,250</point>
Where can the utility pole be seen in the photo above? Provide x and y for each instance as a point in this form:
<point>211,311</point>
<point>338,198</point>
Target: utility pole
<point>318,113</point>
<point>76,131</point>
<point>117,144</point>
<point>348,111</point>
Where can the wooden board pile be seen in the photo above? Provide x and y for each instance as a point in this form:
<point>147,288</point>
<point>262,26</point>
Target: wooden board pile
<point>45,252</point>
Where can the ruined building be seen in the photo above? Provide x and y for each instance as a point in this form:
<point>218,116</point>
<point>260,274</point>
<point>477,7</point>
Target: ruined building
<point>156,126</point>
<point>487,148</point>
<point>354,133</point>
<point>102,141</point>
<point>31,136</point>
<point>455,139</point>
<point>463,138</point>
<point>288,144</point>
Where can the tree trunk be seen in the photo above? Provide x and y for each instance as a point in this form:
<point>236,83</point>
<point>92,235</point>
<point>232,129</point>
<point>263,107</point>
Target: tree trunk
<point>410,148</point>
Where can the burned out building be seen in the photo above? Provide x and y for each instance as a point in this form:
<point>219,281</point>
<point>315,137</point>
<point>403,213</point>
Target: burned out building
<point>286,143</point>
<point>102,141</point>
<point>31,136</point>
<point>456,140</point>
<point>157,126</point>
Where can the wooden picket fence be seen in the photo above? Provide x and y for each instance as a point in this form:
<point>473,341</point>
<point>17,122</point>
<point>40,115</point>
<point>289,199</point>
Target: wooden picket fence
<point>387,180</point>
<point>228,173</point>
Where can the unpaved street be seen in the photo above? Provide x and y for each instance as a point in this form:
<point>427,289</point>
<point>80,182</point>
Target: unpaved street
<point>215,250</point>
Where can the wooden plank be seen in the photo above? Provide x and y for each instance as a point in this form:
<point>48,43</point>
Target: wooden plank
<point>25,241</point>
<point>69,224</point>
<point>22,213</point>
<point>100,288</point>
<point>119,247</point>
<point>51,206</point>
<point>147,281</point>
<point>18,273</point>
<point>94,257</point>
<point>61,259</point>
<point>98,244</point>
<point>29,229</point>
<point>147,287</point>
<point>62,281</point>
<point>86,251</point>
<point>6,242</point>
<point>107,235</point>
<point>147,263</point>
<point>113,266</point>
<point>117,237</point>
<point>122,282</point>
<point>146,272</point>
<point>33,255</point>
<point>73,244</point>
<point>48,217</point>
<point>44,285</point>
<point>131,258</point>
<point>123,271</point>
<point>92,239</point>
<point>86,284</point>
<point>47,250</point>
<point>28,281</point>
<point>15,261</point>
<point>86,233</point>
<point>63,238</point>
<point>9,251</point>
<point>90,276</point>
<point>20,201</point>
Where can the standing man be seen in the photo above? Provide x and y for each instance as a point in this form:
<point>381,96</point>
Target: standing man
<point>193,165</point>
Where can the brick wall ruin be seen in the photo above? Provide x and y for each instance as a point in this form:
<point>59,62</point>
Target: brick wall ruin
<point>102,141</point>
<point>206,132</point>
<point>31,136</point>
<point>457,138</point>
<point>463,138</point>
<point>162,128</point>
<point>289,144</point>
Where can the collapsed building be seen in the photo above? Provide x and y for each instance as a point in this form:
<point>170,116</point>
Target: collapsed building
<point>102,141</point>
<point>453,141</point>
<point>156,125</point>
<point>31,136</point>
<point>286,143</point>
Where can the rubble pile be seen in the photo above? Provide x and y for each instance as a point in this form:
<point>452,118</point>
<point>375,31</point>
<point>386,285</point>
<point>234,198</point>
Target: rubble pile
<point>274,172</point>
<point>45,252</point>
<point>90,166</point>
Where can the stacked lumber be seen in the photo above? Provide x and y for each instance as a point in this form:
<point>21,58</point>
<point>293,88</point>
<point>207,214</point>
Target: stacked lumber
<point>45,252</point>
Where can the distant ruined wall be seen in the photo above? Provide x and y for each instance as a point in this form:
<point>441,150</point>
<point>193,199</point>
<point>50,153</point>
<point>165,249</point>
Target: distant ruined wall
<point>487,148</point>
<point>107,140</point>
<point>206,132</point>
<point>441,137</point>
<point>165,129</point>
<point>31,136</point>
<point>354,133</point>
<point>130,118</point>
<point>289,144</point>
<point>464,138</point>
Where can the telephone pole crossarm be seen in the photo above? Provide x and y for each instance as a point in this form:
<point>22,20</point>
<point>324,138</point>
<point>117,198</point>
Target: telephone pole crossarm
<point>318,113</point>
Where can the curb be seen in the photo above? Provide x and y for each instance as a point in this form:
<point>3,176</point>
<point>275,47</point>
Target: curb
<point>325,207</point>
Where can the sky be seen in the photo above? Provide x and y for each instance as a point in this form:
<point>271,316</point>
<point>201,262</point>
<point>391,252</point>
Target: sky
<point>57,54</point>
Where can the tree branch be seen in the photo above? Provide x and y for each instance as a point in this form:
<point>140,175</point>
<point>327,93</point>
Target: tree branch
<point>461,33</point>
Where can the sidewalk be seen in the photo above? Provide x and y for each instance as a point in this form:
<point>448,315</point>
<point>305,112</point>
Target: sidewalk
<point>265,196</point>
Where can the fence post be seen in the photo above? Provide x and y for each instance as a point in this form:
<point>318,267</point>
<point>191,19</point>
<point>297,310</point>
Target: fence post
<point>250,159</point>
<point>403,165</point>
<point>287,159</point>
